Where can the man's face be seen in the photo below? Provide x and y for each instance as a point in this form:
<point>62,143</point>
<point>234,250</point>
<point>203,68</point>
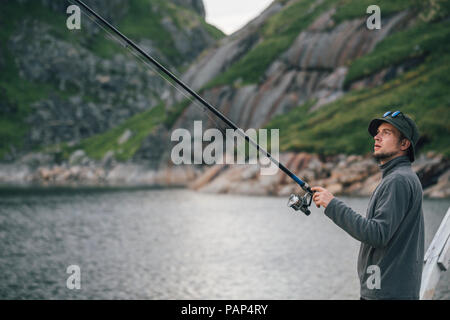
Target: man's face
<point>387,145</point>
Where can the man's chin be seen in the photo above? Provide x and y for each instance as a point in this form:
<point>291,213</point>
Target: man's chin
<point>383,156</point>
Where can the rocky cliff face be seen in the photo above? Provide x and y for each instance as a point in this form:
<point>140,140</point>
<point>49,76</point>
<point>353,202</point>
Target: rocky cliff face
<point>102,92</point>
<point>86,83</point>
<point>314,67</point>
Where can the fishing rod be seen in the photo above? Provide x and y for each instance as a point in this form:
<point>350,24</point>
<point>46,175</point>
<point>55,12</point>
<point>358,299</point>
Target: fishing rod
<point>296,202</point>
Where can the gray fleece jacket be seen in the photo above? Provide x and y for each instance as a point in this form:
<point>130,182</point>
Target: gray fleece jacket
<point>392,234</point>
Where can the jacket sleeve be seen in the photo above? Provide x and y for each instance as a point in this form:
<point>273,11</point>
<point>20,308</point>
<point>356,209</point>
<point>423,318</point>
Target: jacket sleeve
<point>390,208</point>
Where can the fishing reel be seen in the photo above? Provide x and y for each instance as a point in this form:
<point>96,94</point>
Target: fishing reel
<point>301,203</point>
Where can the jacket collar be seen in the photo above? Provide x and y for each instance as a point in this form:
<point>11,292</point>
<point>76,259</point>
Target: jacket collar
<point>396,162</point>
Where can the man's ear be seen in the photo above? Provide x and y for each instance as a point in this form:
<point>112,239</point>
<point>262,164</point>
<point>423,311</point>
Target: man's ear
<point>405,144</point>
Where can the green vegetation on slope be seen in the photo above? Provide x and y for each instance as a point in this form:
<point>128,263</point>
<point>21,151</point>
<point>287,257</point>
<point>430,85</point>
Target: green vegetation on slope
<point>175,111</point>
<point>277,34</point>
<point>354,9</point>
<point>429,10</point>
<point>140,125</point>
<point>149,26</point>
<point>418,41</point>
<point>341,127</point>
<point>280,30</point>
<point>17,93</point>
<point>144,20</point>
<point>216,33</point>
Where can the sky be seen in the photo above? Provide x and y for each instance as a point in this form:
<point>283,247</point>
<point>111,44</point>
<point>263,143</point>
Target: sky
<point>231,15</point>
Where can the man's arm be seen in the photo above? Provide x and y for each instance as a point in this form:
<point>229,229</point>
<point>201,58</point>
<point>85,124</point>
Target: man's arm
<point>391,206</point>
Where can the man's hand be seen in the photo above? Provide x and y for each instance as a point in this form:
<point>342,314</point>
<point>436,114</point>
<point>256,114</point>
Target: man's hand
<point>322,196</point>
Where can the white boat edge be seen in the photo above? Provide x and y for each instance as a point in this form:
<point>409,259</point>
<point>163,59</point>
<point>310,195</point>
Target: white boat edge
<point>436,259</point>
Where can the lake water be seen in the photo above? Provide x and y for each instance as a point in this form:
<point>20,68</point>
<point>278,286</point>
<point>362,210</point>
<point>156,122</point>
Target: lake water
<point>178,244</point>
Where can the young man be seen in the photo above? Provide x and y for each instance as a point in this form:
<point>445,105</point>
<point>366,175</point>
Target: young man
<point>392,233</point>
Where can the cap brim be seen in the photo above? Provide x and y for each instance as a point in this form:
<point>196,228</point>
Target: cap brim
<point>373,126</point>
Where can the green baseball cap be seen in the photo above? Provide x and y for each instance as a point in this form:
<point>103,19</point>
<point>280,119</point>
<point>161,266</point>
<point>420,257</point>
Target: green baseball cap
<point>403,123</point>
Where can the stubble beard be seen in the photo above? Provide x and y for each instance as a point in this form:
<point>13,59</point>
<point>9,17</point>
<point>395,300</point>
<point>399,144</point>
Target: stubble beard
<point>379,157</point>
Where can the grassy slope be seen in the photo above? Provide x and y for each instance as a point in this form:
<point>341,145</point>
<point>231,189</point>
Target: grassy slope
<point>277,35</point>
<point>351,9</point>
<point>142,20</point>
<point>341,127</point>
<point>14,90</point>
<point>419,41</point>
<point>280,30</point>
<point>18,93</point>
<point>141,125</point>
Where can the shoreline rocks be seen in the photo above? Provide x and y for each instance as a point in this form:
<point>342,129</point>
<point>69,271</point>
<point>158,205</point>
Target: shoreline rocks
<point>118,175</point>
<point>350,175</point>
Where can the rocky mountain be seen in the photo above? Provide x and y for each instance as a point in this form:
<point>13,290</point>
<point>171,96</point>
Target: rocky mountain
<point>314,67</point>
<point>301,61</point>
<point>310,68</point>
<point>62,86</point>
